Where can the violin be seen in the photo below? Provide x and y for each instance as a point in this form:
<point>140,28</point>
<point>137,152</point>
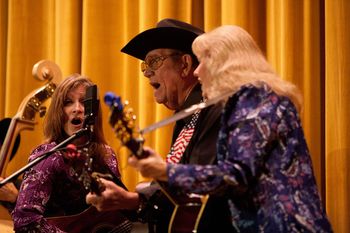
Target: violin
<point>32,104</point>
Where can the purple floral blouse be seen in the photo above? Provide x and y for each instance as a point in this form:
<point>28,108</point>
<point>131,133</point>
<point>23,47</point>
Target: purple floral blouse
<point>50,189</point>
<point>264,167</point>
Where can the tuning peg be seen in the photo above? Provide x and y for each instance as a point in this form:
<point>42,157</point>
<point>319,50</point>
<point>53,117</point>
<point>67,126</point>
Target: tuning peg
<point>42,111</point>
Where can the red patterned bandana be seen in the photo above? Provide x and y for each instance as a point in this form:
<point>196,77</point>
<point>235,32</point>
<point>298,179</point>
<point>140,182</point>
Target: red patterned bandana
<point>179,147</point>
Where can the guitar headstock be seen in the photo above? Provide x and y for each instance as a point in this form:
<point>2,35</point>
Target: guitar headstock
<point>81,162</point>
<point>122,120</point>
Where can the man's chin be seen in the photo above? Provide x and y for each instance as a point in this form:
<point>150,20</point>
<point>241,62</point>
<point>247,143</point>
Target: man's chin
<point>165,103</point>
<point>171,106</point>
<point>159,100</point>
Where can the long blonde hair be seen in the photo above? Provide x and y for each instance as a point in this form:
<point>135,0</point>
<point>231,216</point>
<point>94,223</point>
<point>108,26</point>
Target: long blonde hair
<point>233,59</point>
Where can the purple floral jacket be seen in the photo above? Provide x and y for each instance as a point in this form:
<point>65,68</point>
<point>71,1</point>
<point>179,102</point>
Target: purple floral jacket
<point>264,168</point>
<point>50,189</point>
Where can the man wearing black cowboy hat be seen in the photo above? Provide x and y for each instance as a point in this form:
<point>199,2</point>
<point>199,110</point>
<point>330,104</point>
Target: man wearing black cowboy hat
<point>168,63</point>
<point>8,192</point>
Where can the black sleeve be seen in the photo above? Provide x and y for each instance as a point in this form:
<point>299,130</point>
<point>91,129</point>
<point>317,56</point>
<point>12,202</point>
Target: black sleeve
<point>202,147</point>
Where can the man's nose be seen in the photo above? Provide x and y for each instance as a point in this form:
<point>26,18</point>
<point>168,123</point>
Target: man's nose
<point>148,73</point>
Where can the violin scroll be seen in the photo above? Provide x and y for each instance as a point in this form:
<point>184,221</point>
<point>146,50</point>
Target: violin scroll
<point>29,107</point>
<point>46,70</point>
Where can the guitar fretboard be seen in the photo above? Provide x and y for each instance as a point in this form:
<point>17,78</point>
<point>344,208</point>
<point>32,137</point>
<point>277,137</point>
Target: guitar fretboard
<point>124,227</point>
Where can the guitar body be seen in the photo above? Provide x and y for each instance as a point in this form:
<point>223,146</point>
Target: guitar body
<point>174,213</point>
<point>187,214</point>
<point>92,221</point>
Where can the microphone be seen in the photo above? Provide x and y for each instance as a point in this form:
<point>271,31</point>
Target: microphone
<point>91,105</point>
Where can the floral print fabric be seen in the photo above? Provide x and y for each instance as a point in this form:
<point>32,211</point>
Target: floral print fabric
<point>264,168</point>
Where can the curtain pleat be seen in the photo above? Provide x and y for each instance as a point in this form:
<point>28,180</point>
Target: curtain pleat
<point>337,112</point>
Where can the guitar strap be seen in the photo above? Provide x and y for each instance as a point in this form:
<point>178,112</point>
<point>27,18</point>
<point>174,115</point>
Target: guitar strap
<point>181,142</point>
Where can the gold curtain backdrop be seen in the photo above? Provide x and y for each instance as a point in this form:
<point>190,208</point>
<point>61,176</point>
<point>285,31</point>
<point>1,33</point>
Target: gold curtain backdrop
<point>306,41</point>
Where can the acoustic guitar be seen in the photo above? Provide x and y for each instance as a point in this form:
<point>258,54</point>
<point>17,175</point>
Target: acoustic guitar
<point>91,220</point>
<point>187,209</point>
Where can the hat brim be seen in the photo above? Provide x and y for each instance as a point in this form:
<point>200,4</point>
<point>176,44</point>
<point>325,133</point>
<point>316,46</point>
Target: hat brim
<point>162,37</point>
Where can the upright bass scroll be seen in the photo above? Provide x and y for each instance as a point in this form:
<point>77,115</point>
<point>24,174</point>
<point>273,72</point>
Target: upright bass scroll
<point>43,70</point>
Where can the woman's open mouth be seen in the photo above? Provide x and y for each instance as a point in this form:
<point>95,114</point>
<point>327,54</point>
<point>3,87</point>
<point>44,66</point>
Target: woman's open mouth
<point>77,121</point>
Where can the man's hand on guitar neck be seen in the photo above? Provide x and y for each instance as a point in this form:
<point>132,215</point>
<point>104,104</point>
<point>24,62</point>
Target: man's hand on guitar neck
<point>113,198</point>
<point>152,166</point>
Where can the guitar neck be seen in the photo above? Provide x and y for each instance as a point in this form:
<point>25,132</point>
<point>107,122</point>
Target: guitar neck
<point>116,179</point>
<point>136,147</point>
<point>122,121</point>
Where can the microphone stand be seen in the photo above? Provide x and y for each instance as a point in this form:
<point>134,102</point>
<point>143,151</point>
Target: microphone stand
<point>61,145</point>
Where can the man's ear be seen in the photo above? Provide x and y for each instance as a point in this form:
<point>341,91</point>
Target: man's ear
<point>187,62</point>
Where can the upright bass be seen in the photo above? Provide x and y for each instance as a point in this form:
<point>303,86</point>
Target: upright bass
<point>43,70</point>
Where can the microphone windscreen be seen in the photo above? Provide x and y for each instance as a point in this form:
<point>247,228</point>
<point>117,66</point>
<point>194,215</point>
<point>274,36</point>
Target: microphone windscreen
<point>71,152</point>
<point>71,147</point>
<point>91,105</point>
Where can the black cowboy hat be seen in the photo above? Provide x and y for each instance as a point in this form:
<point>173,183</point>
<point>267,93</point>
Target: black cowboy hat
<point>4,125</point>
<point>169,33</point>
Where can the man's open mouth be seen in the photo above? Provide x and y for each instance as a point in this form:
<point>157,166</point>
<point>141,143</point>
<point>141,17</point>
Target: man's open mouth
<point>155,85</point>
